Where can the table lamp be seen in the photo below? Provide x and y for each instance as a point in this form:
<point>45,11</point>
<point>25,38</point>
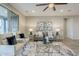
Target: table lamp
<point>30,30</point>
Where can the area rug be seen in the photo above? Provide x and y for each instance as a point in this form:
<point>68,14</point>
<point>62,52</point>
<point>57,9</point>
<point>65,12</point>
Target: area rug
<point>50,49</point>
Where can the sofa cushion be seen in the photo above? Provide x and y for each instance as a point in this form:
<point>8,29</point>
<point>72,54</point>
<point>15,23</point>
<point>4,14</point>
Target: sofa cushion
<point>40,34</point>
<point>22,35</point>
<point>11,40</point>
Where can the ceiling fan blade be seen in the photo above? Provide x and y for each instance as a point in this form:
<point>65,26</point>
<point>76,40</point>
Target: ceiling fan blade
<point>45,8</point>
<point>60,3</point>
<point>42,4</point>
<point>54,8</point>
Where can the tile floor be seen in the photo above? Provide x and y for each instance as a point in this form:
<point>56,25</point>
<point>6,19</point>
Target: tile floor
<point>72,44</point>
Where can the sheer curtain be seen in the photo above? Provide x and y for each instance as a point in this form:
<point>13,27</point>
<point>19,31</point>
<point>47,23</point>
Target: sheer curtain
<point>14,24</point>
<point>9,21</point>
<point>13,20</point>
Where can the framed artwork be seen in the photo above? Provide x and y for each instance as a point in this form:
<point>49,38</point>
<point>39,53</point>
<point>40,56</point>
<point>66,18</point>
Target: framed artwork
<point>44,26</point>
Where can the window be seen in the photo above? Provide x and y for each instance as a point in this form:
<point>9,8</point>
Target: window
<point>1,26</point>
<point>9,21</point>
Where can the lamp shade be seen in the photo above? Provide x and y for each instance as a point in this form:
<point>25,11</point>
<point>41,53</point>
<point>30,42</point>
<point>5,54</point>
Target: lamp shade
<point>30,29</point>
<point>57,30</point>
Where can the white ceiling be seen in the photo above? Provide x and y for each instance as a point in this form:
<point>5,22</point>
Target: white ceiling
<point>29,9</point>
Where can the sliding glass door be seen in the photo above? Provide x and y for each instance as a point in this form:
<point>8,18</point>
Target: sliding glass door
<point>3,20</point>
<point>3,25</point>
<point>9,21</point>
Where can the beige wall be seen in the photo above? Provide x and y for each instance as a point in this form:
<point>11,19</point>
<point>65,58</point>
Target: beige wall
<point>21,17</point>
<point>69,27</point>
<point>31,22</point>
<point>73,27</point>
<point>76,27</point>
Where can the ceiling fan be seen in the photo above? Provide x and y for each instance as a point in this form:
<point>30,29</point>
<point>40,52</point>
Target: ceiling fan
<point>50,5</point>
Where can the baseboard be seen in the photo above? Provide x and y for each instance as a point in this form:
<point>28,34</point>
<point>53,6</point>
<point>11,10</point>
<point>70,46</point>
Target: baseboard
<point>70,38</point>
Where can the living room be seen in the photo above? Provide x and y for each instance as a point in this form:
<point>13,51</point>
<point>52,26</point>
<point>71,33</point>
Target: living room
<point>37,25</point>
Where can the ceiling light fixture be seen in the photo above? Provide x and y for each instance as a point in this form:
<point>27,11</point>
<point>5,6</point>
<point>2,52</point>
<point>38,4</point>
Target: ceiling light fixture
<point>51,5</point>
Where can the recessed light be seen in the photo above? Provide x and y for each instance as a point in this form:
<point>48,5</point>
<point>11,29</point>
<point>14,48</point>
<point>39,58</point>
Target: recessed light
<point>33,11</point>
<point>61,10</point>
